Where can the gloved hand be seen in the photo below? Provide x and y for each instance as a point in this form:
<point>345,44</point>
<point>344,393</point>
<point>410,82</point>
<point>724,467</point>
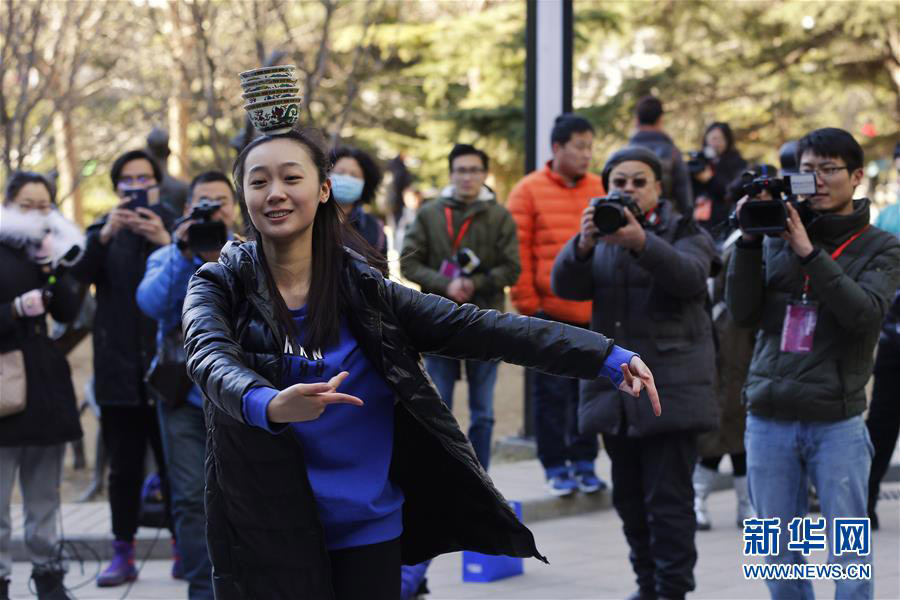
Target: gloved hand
<point>29,304</point>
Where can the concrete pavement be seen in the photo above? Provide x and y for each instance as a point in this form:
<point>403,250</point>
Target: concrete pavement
<point>588,561</point>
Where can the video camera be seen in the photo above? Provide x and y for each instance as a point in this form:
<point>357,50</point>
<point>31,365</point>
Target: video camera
<point>768,217</point>
<point>609,211</point>
<point>205,234</point>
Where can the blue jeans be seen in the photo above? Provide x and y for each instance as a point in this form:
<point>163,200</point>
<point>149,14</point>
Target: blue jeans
<point>184,442</point>
<point>556,425</point>
<point>836,457</point>
<point>481,376</point>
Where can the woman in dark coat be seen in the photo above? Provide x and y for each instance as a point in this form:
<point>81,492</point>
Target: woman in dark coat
<point>726,164</point>
<point>355,177</point>
<point>318,493</point>
<point>33,240</point>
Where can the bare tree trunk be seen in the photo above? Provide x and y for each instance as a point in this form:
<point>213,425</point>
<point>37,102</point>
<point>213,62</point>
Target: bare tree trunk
<point>67,165</point>
<point>179,106</point>
<point>352,79</point>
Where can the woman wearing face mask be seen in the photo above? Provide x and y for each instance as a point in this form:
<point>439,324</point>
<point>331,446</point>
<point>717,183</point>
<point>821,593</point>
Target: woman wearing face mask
<point>355,178</point>
<point>33,437</point>
<point>330,455</point>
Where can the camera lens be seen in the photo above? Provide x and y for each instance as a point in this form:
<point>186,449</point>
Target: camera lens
<point>609,217</point>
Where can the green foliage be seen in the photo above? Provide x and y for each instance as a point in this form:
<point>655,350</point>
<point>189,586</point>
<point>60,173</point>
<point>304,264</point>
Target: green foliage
<point>413,77</point>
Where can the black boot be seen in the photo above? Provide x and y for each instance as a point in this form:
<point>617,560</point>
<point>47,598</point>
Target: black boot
<point>4,588</point>
<point>49,585</point>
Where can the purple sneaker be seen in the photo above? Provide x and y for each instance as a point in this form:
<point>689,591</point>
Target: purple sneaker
<point>121,567</point>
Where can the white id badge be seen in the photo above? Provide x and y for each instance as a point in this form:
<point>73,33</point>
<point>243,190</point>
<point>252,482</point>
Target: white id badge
<point>799,327</point>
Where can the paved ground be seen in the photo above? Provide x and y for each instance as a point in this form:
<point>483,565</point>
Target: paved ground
<point>588,560</point>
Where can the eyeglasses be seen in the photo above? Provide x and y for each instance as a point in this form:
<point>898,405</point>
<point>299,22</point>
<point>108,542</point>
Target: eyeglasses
<point>468,171</point>
<point>638,182</point>
<point>130,180</point>
<point>823,172</point>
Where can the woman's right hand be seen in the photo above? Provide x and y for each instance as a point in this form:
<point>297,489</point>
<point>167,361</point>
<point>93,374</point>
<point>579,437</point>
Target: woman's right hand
<point>307,401</point>
<point>29,304</point>
<point>638,377</point>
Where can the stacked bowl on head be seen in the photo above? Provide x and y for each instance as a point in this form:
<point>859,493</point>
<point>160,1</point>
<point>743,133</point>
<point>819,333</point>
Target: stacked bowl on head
<point>273,98</point>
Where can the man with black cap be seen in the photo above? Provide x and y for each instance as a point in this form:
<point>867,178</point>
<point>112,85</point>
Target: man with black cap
<point>647,281</point>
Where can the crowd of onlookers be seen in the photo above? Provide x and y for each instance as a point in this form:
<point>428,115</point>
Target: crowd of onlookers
<point>712,308</point>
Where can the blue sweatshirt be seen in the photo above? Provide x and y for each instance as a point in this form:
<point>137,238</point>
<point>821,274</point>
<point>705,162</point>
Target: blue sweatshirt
<point>348,449</point>
<point>161,295</point>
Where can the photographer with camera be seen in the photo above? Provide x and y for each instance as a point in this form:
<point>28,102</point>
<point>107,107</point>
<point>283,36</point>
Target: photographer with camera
<point>712,169</point>
<point>124,343</point>
<point>645,267</point>
<point>463,246</point>
<point>206,226</point>
<point>38,411</point>
<point>817,291</point>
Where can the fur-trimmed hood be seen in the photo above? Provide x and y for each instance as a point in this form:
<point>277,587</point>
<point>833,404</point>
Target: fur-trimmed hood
<point>48,238</point>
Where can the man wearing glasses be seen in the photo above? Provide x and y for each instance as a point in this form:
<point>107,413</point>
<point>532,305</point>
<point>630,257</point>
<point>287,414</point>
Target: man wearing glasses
<point>647,281</point>
<point>818,293</point>
<point>125,342</point>
<point>463,246</point>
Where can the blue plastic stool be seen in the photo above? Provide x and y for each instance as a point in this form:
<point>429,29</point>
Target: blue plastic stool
<point>482,568</point>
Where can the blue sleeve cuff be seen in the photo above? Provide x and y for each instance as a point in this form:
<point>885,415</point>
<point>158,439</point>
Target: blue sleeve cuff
<point>611,366</point>
<point>254,406</point>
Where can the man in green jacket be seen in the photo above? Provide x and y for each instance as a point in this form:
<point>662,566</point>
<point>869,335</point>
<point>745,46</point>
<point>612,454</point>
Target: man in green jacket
<point>463,246</point>
<point>817,293</point>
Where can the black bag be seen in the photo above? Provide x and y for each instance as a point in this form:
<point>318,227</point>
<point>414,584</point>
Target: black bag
<point>167,376</point>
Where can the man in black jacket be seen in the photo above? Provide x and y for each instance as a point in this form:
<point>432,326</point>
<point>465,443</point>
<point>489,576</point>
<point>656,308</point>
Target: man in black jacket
<point>676,182</point>
<point>647,281</point>
<point>124,342</point>
<point>817,294</point>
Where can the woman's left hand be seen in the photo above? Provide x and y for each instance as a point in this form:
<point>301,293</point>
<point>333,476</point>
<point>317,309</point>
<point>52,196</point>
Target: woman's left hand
<point>638,377</point>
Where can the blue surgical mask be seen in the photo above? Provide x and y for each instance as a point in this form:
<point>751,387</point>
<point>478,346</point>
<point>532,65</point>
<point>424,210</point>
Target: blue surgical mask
<point>346,188</point>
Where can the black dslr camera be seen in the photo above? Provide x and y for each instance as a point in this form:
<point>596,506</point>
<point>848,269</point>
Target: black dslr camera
<point>769,216</point>
<point>204,235</point>
<point>697,162</point>
<point>609,211</point>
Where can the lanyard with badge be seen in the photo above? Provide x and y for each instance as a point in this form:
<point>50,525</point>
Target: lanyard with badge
<point>451,267</point>
<point>801,317</point>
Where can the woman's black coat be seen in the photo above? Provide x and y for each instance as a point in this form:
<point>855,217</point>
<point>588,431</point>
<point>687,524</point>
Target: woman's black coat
<point>264,535</point>
<point>51,415</point>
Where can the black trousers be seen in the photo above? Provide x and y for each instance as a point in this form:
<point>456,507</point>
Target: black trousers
<point>883,421</point>
<point>371,572</point>
<point>654,496</point>
<point>126,432</point>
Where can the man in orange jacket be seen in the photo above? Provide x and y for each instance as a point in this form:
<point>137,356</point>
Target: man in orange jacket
<point>547,206</point>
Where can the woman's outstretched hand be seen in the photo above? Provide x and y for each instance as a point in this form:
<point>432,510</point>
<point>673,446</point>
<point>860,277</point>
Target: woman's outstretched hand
<point>638,377</point>
<point>307,401</point>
